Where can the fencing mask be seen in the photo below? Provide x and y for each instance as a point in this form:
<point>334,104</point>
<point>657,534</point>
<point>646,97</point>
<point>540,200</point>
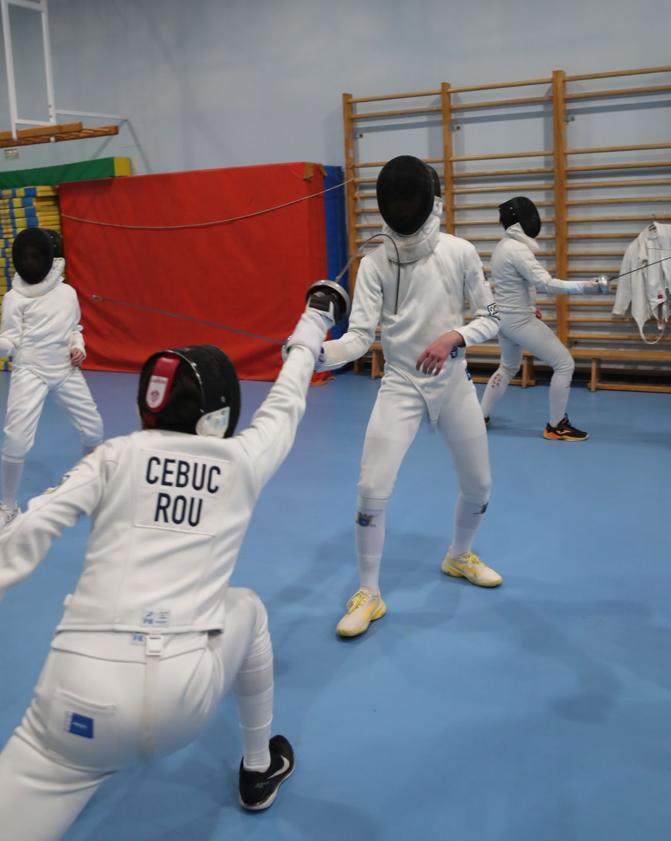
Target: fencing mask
<point>192,389</point>
<point>406,189</point>
<point>523,210</point>
<point>33,253</point>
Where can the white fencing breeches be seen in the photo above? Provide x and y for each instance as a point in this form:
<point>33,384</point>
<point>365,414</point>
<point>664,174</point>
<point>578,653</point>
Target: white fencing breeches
<point>87,717</point>
<point>523,330</point>
<point>27,393</point>
<point>397,414</point>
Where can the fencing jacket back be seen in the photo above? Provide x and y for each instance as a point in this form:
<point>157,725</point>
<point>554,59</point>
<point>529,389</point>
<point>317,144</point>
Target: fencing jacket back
<point>169,512</point>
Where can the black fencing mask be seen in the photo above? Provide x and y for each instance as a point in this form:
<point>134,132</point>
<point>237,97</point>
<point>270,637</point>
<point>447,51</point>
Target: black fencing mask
<point>523,210</point>
<point>406,189</point>
<point>192,389</point>
<point>34,251</point>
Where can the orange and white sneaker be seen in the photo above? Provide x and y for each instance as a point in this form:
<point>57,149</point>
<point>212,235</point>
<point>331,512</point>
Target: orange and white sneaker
<point>363,608</point>
<point>468,565</point>
<point>564,432</point>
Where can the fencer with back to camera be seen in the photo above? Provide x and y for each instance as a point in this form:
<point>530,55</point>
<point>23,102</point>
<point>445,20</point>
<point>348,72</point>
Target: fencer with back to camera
<point>516,275</point>
<point>153,636</point>
<point>416,285</point>
<point>41,331</point>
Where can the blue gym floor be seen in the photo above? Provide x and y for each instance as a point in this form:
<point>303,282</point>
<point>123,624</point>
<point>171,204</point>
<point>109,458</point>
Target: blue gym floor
<point>540,711</point>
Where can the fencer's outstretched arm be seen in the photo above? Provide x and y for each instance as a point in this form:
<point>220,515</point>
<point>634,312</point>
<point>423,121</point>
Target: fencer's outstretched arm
<point>363,321</point>
<point>532,271</point>
<point>24,544</point>
<point>270,436</point>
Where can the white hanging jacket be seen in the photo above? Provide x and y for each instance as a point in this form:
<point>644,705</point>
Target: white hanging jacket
<point>645,289</point>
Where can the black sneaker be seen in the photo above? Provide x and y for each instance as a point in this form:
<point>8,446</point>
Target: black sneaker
<point>258,789</point>
<point>564,432</point>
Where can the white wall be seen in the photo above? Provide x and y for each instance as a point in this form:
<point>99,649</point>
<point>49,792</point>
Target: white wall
<point>209,83</point>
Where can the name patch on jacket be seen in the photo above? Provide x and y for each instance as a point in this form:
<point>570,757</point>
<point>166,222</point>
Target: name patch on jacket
<point>180,492</point>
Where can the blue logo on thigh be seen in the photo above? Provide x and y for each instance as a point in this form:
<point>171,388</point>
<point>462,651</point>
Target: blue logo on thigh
<point>79,725</point>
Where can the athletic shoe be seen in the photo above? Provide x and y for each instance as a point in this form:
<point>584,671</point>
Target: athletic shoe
<point>8,514</point>
<point>258,789</point>
<point>362,609</point>
<point>564,432</point>
<point>469,566</point>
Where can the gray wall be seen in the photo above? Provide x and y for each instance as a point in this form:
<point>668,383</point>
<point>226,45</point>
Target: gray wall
<point>210,83</point>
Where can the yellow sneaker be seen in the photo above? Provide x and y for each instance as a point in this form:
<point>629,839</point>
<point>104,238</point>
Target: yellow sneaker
<point>469,566</point>
<point>362,609</point>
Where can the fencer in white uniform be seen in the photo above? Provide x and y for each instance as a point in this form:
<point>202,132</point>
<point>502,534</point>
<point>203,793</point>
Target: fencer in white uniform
<point>41,331</point>
<point>516,275</point>
<point>153,636</point>
<point>416,285</point>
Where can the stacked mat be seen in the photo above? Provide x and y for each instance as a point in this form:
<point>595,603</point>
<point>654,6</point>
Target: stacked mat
<point>23,207</point>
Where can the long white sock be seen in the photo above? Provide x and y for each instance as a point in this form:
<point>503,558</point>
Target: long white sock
<point>560,389</point>
<point>496,388</point>
<point>253,689</point>
<point>467,516</point>
<point>369,542</point>
<point>12,471</point>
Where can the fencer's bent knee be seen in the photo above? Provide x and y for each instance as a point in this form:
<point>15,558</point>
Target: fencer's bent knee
<point>16,446</point>
<point>477,489</point>
<point>566,365</point>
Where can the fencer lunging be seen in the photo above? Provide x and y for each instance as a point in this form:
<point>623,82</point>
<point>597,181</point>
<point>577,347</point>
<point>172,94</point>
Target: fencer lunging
<point>153,637</point>
<point>416,285</point>
<point>41,330</point>
<point>516,275</point>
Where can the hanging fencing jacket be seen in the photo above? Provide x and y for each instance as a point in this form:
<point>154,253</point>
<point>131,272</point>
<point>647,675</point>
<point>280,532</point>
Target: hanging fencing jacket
<point>406,189</point>
<point>647,293</point>
<point>521,210</point>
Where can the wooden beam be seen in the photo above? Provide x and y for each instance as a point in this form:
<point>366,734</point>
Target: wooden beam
<point>618,92</point>
<point>611,74</point>
<point>560,213</point>
<point>448,169</point>
<point>396,112</point>
<point>59,137</point>
<point>350,190</point>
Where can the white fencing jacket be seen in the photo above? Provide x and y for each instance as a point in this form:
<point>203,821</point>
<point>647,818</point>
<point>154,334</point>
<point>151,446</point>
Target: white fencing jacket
<point>169,512</point>
<point>517,274</point>
<point>40,325</point>
<point>647,291</point>
<point>438,274</point>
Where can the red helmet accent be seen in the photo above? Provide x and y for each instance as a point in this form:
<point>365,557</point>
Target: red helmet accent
<point>159,387</point>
